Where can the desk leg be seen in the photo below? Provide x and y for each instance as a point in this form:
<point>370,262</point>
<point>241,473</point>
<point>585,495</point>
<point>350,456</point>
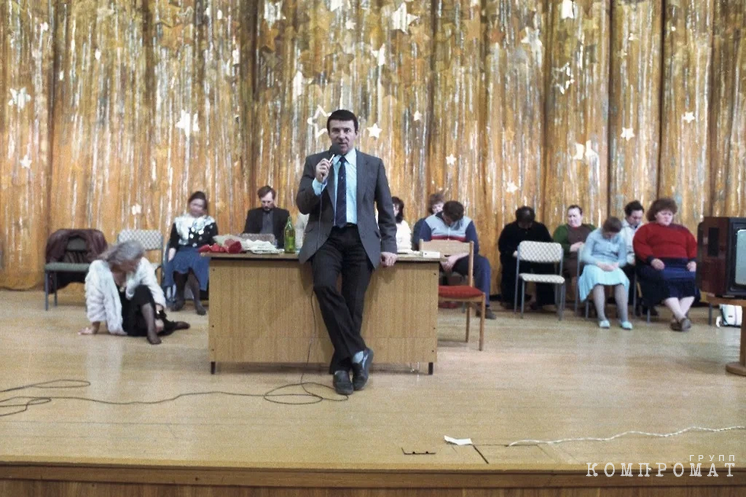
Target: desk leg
<point>430,367</point>
<point>213,364</point>
<point>740,367</point>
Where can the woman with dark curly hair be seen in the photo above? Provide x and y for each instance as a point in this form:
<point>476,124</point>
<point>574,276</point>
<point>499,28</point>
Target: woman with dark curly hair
<point>666,268</point>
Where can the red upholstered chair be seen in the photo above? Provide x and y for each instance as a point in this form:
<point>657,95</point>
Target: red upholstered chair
<point>467,294</point>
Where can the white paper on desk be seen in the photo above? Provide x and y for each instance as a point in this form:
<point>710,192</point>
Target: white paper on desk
<point>458,441</point>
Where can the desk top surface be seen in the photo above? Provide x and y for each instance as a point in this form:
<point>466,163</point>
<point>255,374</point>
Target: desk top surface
<point>714,300</point>
<point>402,258</point>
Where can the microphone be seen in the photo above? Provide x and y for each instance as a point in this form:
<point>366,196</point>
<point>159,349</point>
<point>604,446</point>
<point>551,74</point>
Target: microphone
<point>334,151</point>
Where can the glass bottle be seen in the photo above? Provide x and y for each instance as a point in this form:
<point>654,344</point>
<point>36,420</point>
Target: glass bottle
<point>289,236</point>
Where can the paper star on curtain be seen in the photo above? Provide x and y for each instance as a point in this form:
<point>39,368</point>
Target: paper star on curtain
<point>562,77</point>
<point>380,55</point>
<point>567,10</point>
<point>273,12</point>
<point>375,131</point>
<point>317,130</point>
<point>585,151</point>
<point>336,4</point>
<point>533,38</point>
<point>19,98</point>
<point>189,126</point>
<point>401,20</point>
<point>628,133</point>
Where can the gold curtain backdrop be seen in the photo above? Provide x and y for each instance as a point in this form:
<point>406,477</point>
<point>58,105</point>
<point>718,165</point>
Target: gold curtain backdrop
<point>112,112</point>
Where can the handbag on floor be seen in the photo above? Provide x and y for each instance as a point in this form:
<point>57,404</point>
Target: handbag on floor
<point>730,315</point>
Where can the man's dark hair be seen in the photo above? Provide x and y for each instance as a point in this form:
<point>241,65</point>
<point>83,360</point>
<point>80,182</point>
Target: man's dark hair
<point>435,198</point>
<point>612,225</point>
<point>525,214</point>
<point>341,115</point>
<point>265,190</point>
<point>454,210</point>
<point>574,206</point>
<point>398,202</point>
<point>198,196</point>
<point>662,204</point>
<point>633,206</point>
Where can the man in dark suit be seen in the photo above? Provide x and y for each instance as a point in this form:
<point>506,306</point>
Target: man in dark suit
<point>338,190</point>
<point>268,218</point>
<point>524,228</point>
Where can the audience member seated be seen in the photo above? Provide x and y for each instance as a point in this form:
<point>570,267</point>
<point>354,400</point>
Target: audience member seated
<point>666,262</point>
<point>572,237</point>
<point>451,224</point>
<point>403,233</point>
<point>268,218</point>
<point>633,215</point>
<point>121,289</point>
<point>524,228</point>
<point>185,266</point>
<point>603,256</point>
<point>434,206</point>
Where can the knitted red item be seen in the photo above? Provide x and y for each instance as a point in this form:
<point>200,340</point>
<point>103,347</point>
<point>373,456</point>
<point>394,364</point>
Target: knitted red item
<point>234,247</point>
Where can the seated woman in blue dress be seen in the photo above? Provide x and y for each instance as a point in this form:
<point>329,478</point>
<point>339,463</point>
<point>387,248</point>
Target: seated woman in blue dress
<point>185,266</point>
<point>604,254</point>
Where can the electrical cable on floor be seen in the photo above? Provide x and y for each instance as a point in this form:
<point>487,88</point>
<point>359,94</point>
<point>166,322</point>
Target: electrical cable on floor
<point>531,443</point>
<point>25,402</point>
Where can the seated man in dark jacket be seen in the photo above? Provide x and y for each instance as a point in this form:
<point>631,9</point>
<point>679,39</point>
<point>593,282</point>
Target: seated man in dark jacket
<point>268,218</point>
<point>524,228</point>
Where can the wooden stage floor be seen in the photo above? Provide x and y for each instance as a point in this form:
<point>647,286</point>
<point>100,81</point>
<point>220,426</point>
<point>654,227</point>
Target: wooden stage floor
<point>536,379</point>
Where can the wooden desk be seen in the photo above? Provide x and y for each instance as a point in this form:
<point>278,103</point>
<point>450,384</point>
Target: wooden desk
<point>262,310</point>
<point>734,367</point>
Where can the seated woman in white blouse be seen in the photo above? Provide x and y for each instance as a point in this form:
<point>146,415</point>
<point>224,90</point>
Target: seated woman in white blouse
<point>403,233</point>
<point>121,290</point>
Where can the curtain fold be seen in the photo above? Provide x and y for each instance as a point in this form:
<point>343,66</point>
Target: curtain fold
<point>114,111</point>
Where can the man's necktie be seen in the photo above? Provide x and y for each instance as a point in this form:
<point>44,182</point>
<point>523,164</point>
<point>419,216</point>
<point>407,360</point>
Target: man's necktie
<point>340,214</point>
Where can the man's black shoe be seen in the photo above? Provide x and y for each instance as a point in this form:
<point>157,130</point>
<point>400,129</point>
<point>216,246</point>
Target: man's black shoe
<point>342,383</point>
<point>361,370</point>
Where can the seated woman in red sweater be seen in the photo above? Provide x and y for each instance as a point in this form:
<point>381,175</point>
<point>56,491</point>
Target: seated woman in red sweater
<point>667,266</point>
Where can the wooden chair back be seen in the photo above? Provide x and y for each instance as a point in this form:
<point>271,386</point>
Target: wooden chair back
<point>452,247</point>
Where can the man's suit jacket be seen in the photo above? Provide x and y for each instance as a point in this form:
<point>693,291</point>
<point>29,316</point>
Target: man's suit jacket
<point>372,188</point>
<point>279,218</point>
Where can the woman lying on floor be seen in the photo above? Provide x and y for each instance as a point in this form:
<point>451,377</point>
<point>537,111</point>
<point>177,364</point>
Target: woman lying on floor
<point>121,290</point>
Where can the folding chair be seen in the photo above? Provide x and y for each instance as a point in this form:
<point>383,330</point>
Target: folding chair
<point>151,240</point>
<point>467,294</point>
<point>544,253</point>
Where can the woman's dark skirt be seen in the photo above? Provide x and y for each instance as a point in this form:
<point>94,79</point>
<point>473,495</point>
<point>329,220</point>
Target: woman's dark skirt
<point>133,322</point>
<point>186,259</point>
<point>675,281</point>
